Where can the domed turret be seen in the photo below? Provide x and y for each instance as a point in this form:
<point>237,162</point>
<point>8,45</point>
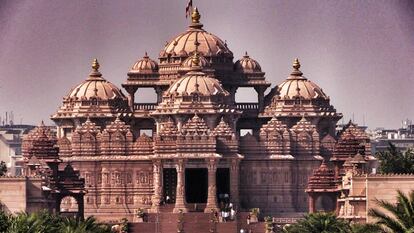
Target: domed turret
<point>94,97</point>
<point>196,82</point>
<point>182,46</point>
<point>189,63</point>
<point>298,96</point>
<point>144,66</point>
<point>194,87</point>
<point>247,65</point>
<point>297,86</point>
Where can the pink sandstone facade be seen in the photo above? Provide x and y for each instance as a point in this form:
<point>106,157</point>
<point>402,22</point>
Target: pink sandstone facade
<point>188,145</point>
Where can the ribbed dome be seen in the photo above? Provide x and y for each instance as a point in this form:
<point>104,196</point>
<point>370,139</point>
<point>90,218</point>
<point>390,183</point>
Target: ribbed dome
<point>247,65</point>
<point>145,66</point>
<point>185,43</point>
<point>196,82</point>
<point>94,97</point>
<point>189,62</point>
<point>95,86</point>
<point>298,86</point>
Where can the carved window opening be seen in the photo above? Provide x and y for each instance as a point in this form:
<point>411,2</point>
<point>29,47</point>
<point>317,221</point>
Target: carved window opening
<point>243,132</point>
<point>148,132</point>
<point>94,101</point>
<point>145,95</point>
<point>246,95</point>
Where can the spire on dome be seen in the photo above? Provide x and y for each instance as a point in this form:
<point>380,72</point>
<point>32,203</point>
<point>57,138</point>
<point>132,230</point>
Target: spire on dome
<point>95,65</point>
<point>246,55</point>
<point>296,66</point>
<point>195,59</point>
<point>95,69</point>
<point>195,19</point>
<point>195,16</point>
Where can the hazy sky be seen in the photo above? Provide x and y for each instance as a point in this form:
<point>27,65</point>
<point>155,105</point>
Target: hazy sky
<point>360,52</point>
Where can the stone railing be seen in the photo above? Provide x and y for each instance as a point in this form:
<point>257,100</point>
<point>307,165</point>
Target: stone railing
<point>247,106</point>
<point>144,106</point>
<point>284,221</point>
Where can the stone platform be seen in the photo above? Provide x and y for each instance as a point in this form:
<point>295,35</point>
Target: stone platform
<point>193,222</point>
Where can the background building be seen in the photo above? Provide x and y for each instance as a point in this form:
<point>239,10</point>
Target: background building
<point>402,138</point>
<point>10,147</point>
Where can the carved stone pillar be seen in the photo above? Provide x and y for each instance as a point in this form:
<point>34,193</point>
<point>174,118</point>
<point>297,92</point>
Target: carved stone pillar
<point>159,92</point>
<point>131,97</point>
<point>311,202</point>
<point>211,205</point>
<point>234,183</point>
<point>260,97</point>
<point>180,203</point>
<point>233,91</point>
<point>157,176</point>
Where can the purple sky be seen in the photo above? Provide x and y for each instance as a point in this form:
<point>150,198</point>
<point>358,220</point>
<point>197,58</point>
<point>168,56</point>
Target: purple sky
<point>360,52</point>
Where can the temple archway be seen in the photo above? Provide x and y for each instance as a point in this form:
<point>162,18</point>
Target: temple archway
<point>69,207</point>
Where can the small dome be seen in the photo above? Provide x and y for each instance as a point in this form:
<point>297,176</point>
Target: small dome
<point>145,66</point>
<point>247,65</point>
<point>94,97</point>
<point>196,82</point>
<point>189,62</point>
<point>95,86</point>
<point>298,86</point>
<point>185,43</point>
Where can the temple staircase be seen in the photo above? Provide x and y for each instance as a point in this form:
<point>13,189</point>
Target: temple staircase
<point>192,222</point>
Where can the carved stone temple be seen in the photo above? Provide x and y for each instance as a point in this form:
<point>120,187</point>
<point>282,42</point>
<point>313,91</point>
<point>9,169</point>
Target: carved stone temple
<point>195,144</point>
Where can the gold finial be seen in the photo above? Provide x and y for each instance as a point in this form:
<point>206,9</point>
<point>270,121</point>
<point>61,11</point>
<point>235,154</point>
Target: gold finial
<point>196,59</point>
<point>195,16</point>
<point>95,64</point>
<point>296,66</point>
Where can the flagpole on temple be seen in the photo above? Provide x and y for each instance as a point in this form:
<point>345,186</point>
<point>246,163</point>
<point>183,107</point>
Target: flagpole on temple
<point>189,9</point>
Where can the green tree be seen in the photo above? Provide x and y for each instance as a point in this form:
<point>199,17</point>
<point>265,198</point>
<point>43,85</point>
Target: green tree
<point>89,225</point>
<point>320,222</point>
<point>3,168</point>
<point>393,160</point>
<point>398,217</point>
<point>366,228</point>
<point>4,221</point>
<point>38,222</point>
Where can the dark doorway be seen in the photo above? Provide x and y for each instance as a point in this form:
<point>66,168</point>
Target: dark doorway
<point>223,184</point>
<point>196,182</point>
<point>169,184</point>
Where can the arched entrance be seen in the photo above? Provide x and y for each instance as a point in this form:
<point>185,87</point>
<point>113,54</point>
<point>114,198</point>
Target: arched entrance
<point>69,206</point>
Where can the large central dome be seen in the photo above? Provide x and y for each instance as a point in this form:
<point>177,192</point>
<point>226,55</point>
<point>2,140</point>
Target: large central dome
<point>185,43</point>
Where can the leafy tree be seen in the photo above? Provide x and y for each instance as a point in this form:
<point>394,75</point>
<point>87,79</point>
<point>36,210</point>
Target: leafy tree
<point>320,222</point>
<point>4,221</point>
<point>3,168</point>
<point>38,222</point>
<point>89,225</point>
<point>366,228</point>
<point>44,222</point>
<point>400,216</point>
<point>394,161</point>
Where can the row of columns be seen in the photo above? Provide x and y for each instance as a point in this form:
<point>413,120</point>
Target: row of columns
<point>180,203</point>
